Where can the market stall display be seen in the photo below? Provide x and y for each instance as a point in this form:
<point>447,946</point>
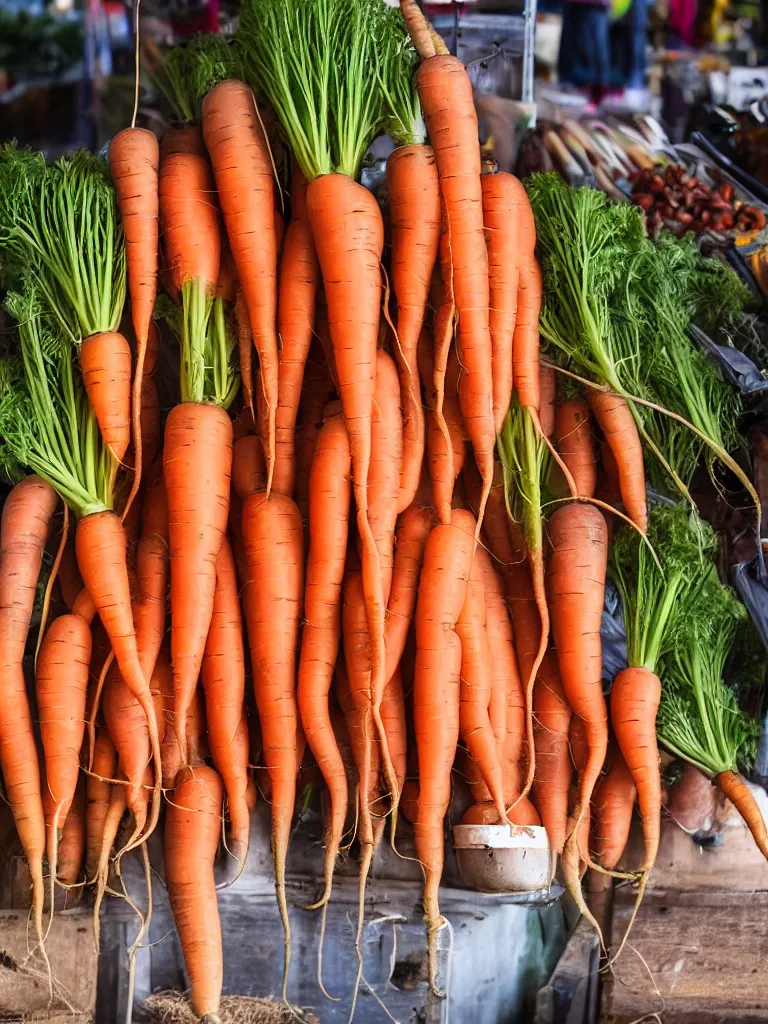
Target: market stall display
<point>414,455</point>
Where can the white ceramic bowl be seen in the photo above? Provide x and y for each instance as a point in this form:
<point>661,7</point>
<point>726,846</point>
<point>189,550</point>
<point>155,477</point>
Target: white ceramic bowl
<point>503,858</point>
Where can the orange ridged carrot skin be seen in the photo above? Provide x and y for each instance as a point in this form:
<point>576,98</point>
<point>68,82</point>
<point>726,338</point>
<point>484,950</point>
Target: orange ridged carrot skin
<point>525,343</point>
<point>192,831</point>
<point>577,570</point>
<point>197,462</point>
<point>547,396</point>
<point>615,419</point>
<point>189,218</point>
<point>476,685</point>
<point>26,518</point>
<point>244,175</point>
<point>395,726</point>
<point>71,851</point>
<point>612,805</point>
<point>149,608</point>
<point>414,212</point>
<point>442,591</point>
<point>105,361</point>
<point>61,682</point>
<point>330,494</point>
<point>98,793</point>
<point>503,200</point>
<point>413,529</point>
<point>635,697</point>
<point>127,724</point>
<point>299,281</point>
<point>445,91</point>
<point>576,444</point>
<point>552,722</point>
<point>134,159</point>
<point>318,388</point>
<point>150,425</point>
<point>272,598</point>
<point>384,470</point>
<point>445,464</point>
<point>223,679</point>
<point>249,468</point>
<point>732,785</point>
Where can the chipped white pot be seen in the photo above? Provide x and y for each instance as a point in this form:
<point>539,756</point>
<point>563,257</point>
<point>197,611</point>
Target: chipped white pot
<point>503,858</point>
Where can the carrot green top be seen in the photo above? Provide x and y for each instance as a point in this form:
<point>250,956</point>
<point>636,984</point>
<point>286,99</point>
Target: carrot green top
<point>321,64</point>
<point>61,222</point>
<point>46,420</point>
<point>190,71</point>
<point>699,716</point>
<point>525,460</point>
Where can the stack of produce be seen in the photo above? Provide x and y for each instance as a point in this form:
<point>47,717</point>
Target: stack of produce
<point>376,479</point>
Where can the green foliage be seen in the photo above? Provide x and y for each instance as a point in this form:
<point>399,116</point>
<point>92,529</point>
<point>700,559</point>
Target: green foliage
<point>38,45</point>
<point>46,420</point>
<point>403,116</point>
<point>525,461</point>
<point>190,71</point>
<point>658,578</point>
<point>616,310</point>
<point>60,222</point>
<point>322,66</point>
<point>699,717</point>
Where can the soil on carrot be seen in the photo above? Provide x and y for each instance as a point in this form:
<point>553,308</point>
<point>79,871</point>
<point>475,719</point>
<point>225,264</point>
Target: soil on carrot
<point>173,1008</point>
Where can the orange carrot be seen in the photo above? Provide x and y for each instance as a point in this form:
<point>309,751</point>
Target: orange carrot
<point>384,470</point>
<point>525,343</point>
<point>133,164</point>
<point>317,390</point>
<point>192,829</point>
<point>547,397</point>
<point>412,532</point>
<point>197,461</point>
<point>733,786</point>
<point>576,444</point>
<point>329,503</point>
<point>244,352</point>
<point>299,278</point>
<point>249,470</point>
<point>127,725</point>
<point>503,201</point>
<point>26,517</point>
<point>615,419</point>
<point>414,210</point>
<point>393,717</point>
<point>635,697</point>
<point>442,591</point>
<point>445,464</point>
<point>577,589</point>
<point>98,793</point>
<point>105,361</point>
<point>61,682</point>
<point>242,167</point>
<point>72,845</point>
<point>445,91</point>
<point>151,575</point>
<point>272,595</point>
<point>475,687</point>
<point>150,421</point>
<point>223,678</point>
<point>612,805</point>
<point>112,822</point>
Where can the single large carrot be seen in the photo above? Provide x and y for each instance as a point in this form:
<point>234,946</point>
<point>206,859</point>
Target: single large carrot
<point>576,443</point>
<point>414,213</point>
<point>133,163</point>
<point>190,222</point>
<point>299,279</point>
<point>635,697</point>
<point>242,167</point>
<point>223,679</point>
<point>525,343</point>
<point>612,805</point>
<point>127,724</point>
<point>249,468</point>
<point>504,198</point>
<point>552,721</point>
<point>105,362</point>
<point>615,419</point>
<point>436,683</point>
<point>192,830</point>
<point>329,504</point>
<point>577,589</point>
<point>445,91</point>
<point>272,595</point>
<point>26,518</point>
<point>318,389</point>
<point>197,460</point>
<point>476,685</point>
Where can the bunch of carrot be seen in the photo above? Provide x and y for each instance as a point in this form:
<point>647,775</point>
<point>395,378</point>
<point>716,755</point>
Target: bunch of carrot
<point>399,514</point>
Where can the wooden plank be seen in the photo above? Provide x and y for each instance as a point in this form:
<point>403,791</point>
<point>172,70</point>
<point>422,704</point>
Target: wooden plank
<point>702,963</point>
<point>73,965</point>
<point>571,994</point>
